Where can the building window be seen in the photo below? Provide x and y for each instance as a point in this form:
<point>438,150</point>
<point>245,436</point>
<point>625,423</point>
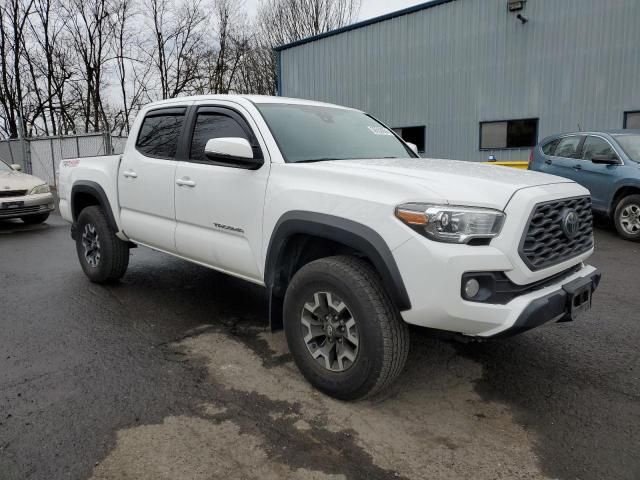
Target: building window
<point>632,120</point>
<point>413,135</point>
<point>509,134</point>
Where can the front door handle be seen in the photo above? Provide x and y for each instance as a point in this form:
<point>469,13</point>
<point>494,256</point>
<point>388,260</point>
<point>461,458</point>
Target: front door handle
<point>185,182</point>
<point>129,174</point>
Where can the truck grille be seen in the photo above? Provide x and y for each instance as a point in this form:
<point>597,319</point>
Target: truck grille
<point>546,242</point>
<point>12,193</point>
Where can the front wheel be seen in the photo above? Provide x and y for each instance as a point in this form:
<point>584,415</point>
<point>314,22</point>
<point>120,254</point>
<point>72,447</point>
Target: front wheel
<point>627,218</point>
<point>103,256</point>
<point>344,333</point>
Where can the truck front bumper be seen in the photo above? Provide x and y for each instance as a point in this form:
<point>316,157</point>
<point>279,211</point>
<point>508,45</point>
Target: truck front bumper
<point>18,207</point>
<point>433,278</point>
<point>556,306</point>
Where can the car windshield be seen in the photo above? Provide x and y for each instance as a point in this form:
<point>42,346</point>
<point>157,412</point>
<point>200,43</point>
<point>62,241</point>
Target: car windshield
<point>631,145</point>
<point>311,133</point>
<point>4,167</point>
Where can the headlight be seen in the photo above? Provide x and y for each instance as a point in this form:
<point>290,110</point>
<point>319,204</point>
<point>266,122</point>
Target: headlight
<point>451,224</point>
<point>40,189</point>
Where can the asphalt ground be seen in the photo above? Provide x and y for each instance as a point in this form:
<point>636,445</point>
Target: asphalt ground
<point>172,374</point>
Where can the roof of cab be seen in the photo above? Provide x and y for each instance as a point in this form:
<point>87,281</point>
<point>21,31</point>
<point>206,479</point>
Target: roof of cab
<point>241,99</point>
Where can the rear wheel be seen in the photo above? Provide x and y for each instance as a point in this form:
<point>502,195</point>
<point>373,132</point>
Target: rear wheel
<point>103,256</point>
<point>627,217</point>
<point>35,219</point>
<point>343,331</point>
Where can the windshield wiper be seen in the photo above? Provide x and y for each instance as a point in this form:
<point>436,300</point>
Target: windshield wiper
<point>313,160</point>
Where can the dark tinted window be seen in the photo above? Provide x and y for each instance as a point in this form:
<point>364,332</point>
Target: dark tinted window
<point>413,135</point>
<point>597,147</point>
<point>632,120</point>
<point>159,135</point>
<point>568,147</point>
<point>509,134</point>
<point>212,125</point>
<point>550,147</point>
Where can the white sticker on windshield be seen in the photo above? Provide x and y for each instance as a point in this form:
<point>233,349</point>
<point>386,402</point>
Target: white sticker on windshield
<point>380,131</point>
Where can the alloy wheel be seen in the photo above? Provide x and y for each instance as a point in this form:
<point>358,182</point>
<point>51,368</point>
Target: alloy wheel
<point>330,332</point>
<point>91,245</point>
<point>630,219</point>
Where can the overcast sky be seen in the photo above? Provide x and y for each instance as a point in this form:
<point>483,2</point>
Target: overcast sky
<point>368,9</point>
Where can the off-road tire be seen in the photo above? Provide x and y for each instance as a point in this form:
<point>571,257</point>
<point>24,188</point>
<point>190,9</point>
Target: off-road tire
<point>383,335</point>
<point>114,253</point>
<point>35,219</point>
<point>625,203</point>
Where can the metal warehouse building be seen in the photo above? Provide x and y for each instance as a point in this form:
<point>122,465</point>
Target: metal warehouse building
<point>466,79</point>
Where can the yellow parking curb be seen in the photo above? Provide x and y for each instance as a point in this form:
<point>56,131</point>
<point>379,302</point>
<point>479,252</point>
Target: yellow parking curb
<point>517,164</point>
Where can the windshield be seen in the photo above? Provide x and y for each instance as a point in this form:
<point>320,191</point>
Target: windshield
<point>631,145</point>
<point>4,167</point>
<point>310,133</point>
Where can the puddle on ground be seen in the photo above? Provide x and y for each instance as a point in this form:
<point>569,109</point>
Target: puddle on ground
<point>267,422</point>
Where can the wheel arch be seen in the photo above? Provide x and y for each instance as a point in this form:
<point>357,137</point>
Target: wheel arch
<point>622,192</point>
<point>85,193</point>
<point>329,235</point>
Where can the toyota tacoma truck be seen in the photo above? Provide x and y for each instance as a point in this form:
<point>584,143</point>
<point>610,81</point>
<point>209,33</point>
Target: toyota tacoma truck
<point>353,235</point>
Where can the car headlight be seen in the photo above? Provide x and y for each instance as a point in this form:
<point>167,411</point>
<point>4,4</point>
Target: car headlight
<point>40,189</point>
<point>450,223</point>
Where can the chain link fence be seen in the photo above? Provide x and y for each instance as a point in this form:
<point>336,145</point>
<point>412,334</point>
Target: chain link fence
<point>41,156</point>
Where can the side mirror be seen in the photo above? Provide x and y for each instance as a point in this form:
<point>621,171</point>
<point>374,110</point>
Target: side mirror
<point>605,160</point>
<point>413,147</point>
<point>234,151</point>
<point>16,167</point>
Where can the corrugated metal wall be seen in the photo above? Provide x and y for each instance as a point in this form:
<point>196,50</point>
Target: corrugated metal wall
<point>576,62</point>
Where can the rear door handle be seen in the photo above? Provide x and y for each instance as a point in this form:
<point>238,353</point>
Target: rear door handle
<point>185,182</point>
<point>577,167</point>
<point>548,162</point>
<point>129,174</point>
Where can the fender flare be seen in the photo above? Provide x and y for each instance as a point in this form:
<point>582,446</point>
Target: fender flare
<point>347,232</point>
<point>624,183</point>
<point>94,189</point>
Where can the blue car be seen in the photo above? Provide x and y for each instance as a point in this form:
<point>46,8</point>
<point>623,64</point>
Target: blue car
<point>607,163</point>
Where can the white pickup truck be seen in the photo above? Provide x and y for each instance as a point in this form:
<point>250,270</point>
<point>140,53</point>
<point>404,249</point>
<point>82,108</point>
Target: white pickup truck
<point>352,233</point>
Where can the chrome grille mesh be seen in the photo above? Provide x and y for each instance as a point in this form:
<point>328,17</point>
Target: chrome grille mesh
<point>545,243</point>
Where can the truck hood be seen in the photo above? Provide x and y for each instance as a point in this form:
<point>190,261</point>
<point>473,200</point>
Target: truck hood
<point>456,182</point>
<point>18,181</point>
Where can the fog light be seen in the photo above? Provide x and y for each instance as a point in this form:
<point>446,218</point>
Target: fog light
<point>471,288</point>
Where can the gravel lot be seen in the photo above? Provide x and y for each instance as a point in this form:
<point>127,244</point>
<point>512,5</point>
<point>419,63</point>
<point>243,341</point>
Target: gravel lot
<point>171,374</point>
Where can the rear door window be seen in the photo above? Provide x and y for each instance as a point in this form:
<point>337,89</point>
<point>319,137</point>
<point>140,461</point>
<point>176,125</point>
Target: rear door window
<point>568,147</point>
<point>160,132</point>
<point>597,147</point>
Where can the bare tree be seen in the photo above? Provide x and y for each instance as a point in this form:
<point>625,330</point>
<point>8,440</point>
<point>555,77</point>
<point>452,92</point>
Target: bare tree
<point>283,21</point>
<point>46,54</point>
<point>178,36</point>
<point>89,25</point>
<point>13,18</point>
<point>131,69</point>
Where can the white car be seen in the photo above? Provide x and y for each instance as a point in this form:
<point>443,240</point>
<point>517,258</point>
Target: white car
<point>23,196</point>
<point>353,235</point>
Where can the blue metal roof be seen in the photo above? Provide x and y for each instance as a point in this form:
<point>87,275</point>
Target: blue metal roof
<point>364,23</point>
